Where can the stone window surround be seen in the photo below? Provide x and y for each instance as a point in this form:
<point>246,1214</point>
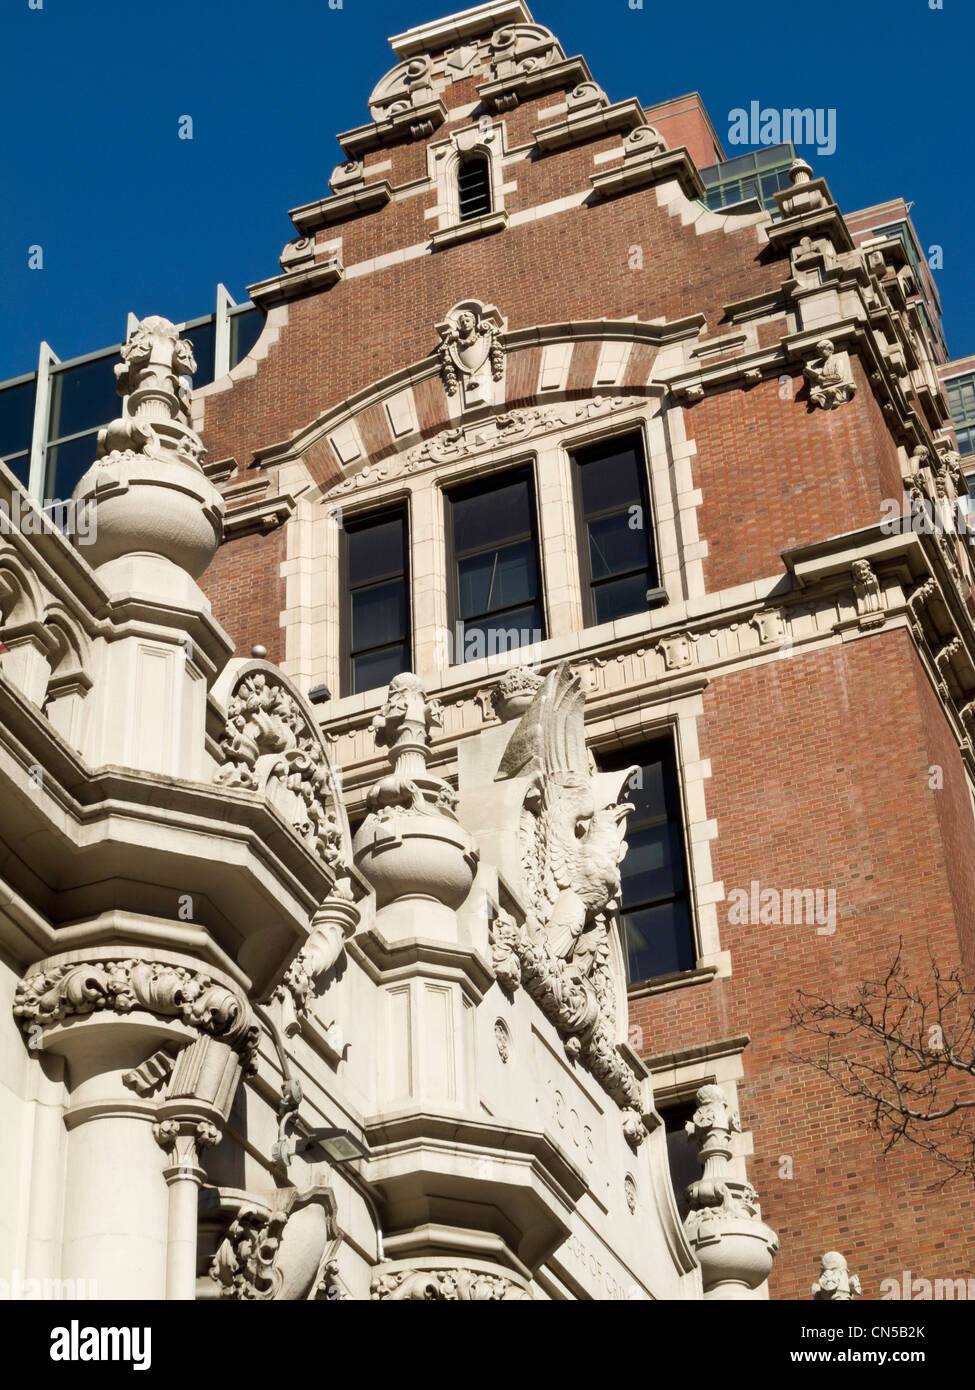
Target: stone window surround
<point>443,163</point>
<point>550,458</point>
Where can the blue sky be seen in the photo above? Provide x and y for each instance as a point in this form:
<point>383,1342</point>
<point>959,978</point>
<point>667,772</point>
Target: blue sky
<point>130,217</point>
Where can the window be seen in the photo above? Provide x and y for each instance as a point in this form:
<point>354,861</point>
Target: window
<point>615,529</point>
<point>245,329</point>
<point>375,626</point>
<point>473,187</point>
<point>494,567</point>
<point>83,399</point>
<point>655,913</point>
<point>17,425</point>
<point>682,1152</point>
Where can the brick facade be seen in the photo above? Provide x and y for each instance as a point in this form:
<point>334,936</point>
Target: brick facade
<point>818,763</point>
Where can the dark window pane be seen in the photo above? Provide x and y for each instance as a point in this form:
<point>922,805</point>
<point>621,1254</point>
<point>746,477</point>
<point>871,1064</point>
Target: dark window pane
<point>658,937</point>
<point>84,397</point>
<point>497,579</point>
<point>19,466</point>
<point>616,546</point>
<point>618,598</point>
<point>654,864</point>
<point>491,515</point>
<point>506,632</point>
<point>203,339</point>
<point>376,627</point>
<point>682,1153</point>
<point>16,418</point>
<point>65,465</point>
<point>658,940</point>
<point>378,668</point>
<point>378,615</point>
<point>610,476</point>
<point>245,329</point>
<point>376,551</point>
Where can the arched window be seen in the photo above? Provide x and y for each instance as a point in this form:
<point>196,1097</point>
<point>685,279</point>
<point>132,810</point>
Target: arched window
<point>473,187</point>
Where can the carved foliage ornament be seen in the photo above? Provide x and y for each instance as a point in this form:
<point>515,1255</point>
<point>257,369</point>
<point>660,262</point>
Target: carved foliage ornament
<point>68,991</point>
<point>272,744</point>
<point>284,1252</point>
<point>447,1286</point>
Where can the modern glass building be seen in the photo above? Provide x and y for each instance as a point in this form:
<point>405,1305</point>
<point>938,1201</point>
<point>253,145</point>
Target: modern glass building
<point>760,174</point>
<point>49,418</point>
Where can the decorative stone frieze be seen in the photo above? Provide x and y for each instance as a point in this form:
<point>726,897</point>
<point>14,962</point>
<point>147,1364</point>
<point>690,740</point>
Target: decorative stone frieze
<point>835,1283</point>
<point>471,351</point>
<point>281,1250</point>
<point>735,1249</point>
<point>830,377</point>
<point>440,1282</point>
<point>59,993</point>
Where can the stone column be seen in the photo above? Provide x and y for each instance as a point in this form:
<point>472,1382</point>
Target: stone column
<point>733,1246</point>
<point>184,1178</point>
<point>153,1050</point>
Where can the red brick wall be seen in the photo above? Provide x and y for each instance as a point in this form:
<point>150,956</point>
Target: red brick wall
<point>245,588</point>
<point>821,780</point>
<point>774,474</point>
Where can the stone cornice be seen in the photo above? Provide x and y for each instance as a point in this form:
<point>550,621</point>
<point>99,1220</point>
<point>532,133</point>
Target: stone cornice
<point>341,206</point>
<point>412,1129</point>
<point>590,125</point>
<point>246,854</point>
<point>467,231</point>
<point>293,284</point>
<point>262,516</point>
<point>646,170</point>
<point>439,34</point>
<point>383,960</point>
<point>415,123</point>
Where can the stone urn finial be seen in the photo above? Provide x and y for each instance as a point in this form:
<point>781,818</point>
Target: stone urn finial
<point>734,1247</point>
<point>410,847</point>
<point>146,499</point>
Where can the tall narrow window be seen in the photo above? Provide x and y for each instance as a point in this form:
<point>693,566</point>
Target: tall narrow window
<point>375,628</point>
<point>473,187</point>
<point>681,1150</point>
<point>655,914</point>
<point>496,591</point>
<point>615,528</point>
